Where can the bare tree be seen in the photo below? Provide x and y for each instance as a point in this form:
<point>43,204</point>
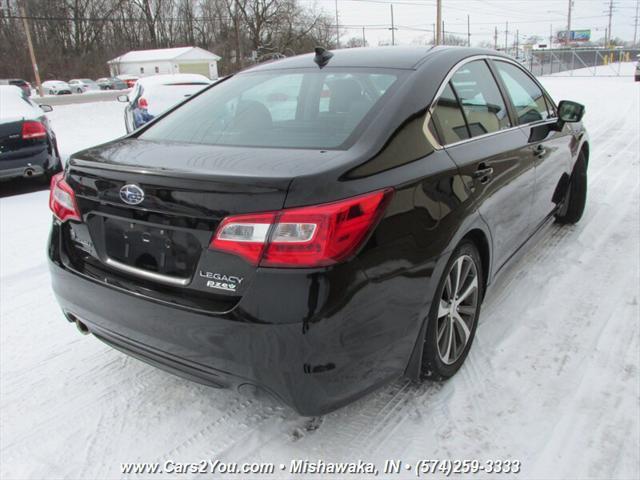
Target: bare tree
<point>356,42</point>
<point>75,38</point>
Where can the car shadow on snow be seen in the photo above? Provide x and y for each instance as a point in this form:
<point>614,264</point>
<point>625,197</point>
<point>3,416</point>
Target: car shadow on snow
<point>21,186</point>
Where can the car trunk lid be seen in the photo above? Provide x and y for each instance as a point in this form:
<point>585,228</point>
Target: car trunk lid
<point>162,242</point>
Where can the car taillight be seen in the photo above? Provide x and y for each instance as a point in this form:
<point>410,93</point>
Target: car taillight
<point>31,130</point>
<point>62,200</point>
<point>311,236</point>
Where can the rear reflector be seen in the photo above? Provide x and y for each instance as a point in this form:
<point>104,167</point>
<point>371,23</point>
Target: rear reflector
<point>62,200</point>
<point>32,130</point>
<point>311,236</point>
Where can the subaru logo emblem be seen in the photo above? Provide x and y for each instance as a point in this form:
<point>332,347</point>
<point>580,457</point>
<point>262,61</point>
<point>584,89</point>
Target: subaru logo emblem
<point>132,194</point>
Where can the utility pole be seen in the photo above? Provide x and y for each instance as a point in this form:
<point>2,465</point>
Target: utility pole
<point>517,43</point>
<point>495,39</point>
<point>34,64</point>
<point>550,35</point>
<point>506,37</point>
<point>393,28</point>
<point>435,39</point>
<point>236,22</point>
<point>609,28</point>
<point>635,29</point>
<point>444,36</point>
<point>469,31</point>
<point>438,22</point>
<point>364,40</point>
<point>567,38</point>
<point>337,27</point>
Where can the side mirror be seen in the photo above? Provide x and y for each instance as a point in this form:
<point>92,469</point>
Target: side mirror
<point>570,112</point>
<point>46,108</point>
<point>123,98</point>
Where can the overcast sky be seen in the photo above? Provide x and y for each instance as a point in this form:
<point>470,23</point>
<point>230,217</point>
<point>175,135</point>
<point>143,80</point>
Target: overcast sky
<point>529,17</point>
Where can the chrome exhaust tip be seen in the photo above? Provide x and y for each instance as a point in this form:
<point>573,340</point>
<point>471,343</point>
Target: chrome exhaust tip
<point>82,328</point>
<point>80,325</point>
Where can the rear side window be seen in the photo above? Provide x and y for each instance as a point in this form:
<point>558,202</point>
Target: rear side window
<point>297,109</point>
<point>526,96</point>
<point>481,101</point>
<point>448,118</point>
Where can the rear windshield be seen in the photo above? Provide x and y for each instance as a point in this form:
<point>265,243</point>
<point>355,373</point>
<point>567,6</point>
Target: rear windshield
<point>315,109</point>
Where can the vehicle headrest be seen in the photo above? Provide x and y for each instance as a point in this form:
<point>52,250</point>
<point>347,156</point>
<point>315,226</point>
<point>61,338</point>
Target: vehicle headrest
<point>344,92</point>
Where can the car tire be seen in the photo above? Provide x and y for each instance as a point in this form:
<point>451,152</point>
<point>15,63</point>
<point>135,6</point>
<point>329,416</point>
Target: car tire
<point>575,201</point>
<point>445,349</point>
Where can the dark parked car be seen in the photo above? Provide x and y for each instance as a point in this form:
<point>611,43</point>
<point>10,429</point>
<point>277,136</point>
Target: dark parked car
<point>27,143</point>
<point>18,82</point>
<point>112,83</point>
<point>317,226</point>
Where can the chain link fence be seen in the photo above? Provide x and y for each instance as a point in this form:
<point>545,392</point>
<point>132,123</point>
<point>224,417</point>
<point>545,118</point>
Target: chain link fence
<point>581,61</point>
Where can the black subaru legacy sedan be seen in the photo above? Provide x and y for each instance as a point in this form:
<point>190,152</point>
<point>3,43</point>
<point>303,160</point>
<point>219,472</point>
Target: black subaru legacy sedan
<point>317,226</point>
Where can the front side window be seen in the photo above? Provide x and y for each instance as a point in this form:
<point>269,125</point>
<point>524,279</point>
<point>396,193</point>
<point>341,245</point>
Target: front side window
<point>526,96</point>
<point>481,101</point>
<point>448,118</point>
<point>306,108</point>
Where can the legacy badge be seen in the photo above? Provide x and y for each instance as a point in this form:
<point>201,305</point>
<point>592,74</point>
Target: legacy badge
<point>229,283</point>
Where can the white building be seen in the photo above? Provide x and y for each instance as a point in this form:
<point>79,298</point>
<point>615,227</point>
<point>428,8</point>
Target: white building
<point>143,63</point>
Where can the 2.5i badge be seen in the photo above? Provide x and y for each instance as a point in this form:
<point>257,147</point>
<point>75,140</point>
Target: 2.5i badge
<point>229,283</point>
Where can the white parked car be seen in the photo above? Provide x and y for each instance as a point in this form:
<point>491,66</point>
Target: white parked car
<point>81,85</point>
<point>56,87</point>
<point>159,93</point>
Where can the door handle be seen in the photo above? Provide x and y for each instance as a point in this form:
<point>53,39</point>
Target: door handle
<point>483,173</point>
<point>539,150</point>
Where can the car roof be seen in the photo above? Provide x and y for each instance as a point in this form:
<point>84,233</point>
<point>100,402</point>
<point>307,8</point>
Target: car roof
<point>400,57</point>
<point>384,57</point>
<point>14,104</point>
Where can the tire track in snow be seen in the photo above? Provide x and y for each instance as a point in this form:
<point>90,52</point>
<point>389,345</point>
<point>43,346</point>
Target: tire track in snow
<point>241,418</point>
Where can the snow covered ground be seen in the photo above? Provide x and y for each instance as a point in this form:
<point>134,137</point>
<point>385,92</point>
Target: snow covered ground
<point>552,379</point>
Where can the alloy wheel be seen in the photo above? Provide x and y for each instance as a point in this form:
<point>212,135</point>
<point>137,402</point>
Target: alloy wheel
<point>457,309</point>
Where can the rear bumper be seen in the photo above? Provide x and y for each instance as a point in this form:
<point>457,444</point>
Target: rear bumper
<point>334,353</point>
<point>30,162</point>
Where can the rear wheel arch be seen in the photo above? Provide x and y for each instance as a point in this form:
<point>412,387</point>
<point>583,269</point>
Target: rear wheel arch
<point>480,240</point>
